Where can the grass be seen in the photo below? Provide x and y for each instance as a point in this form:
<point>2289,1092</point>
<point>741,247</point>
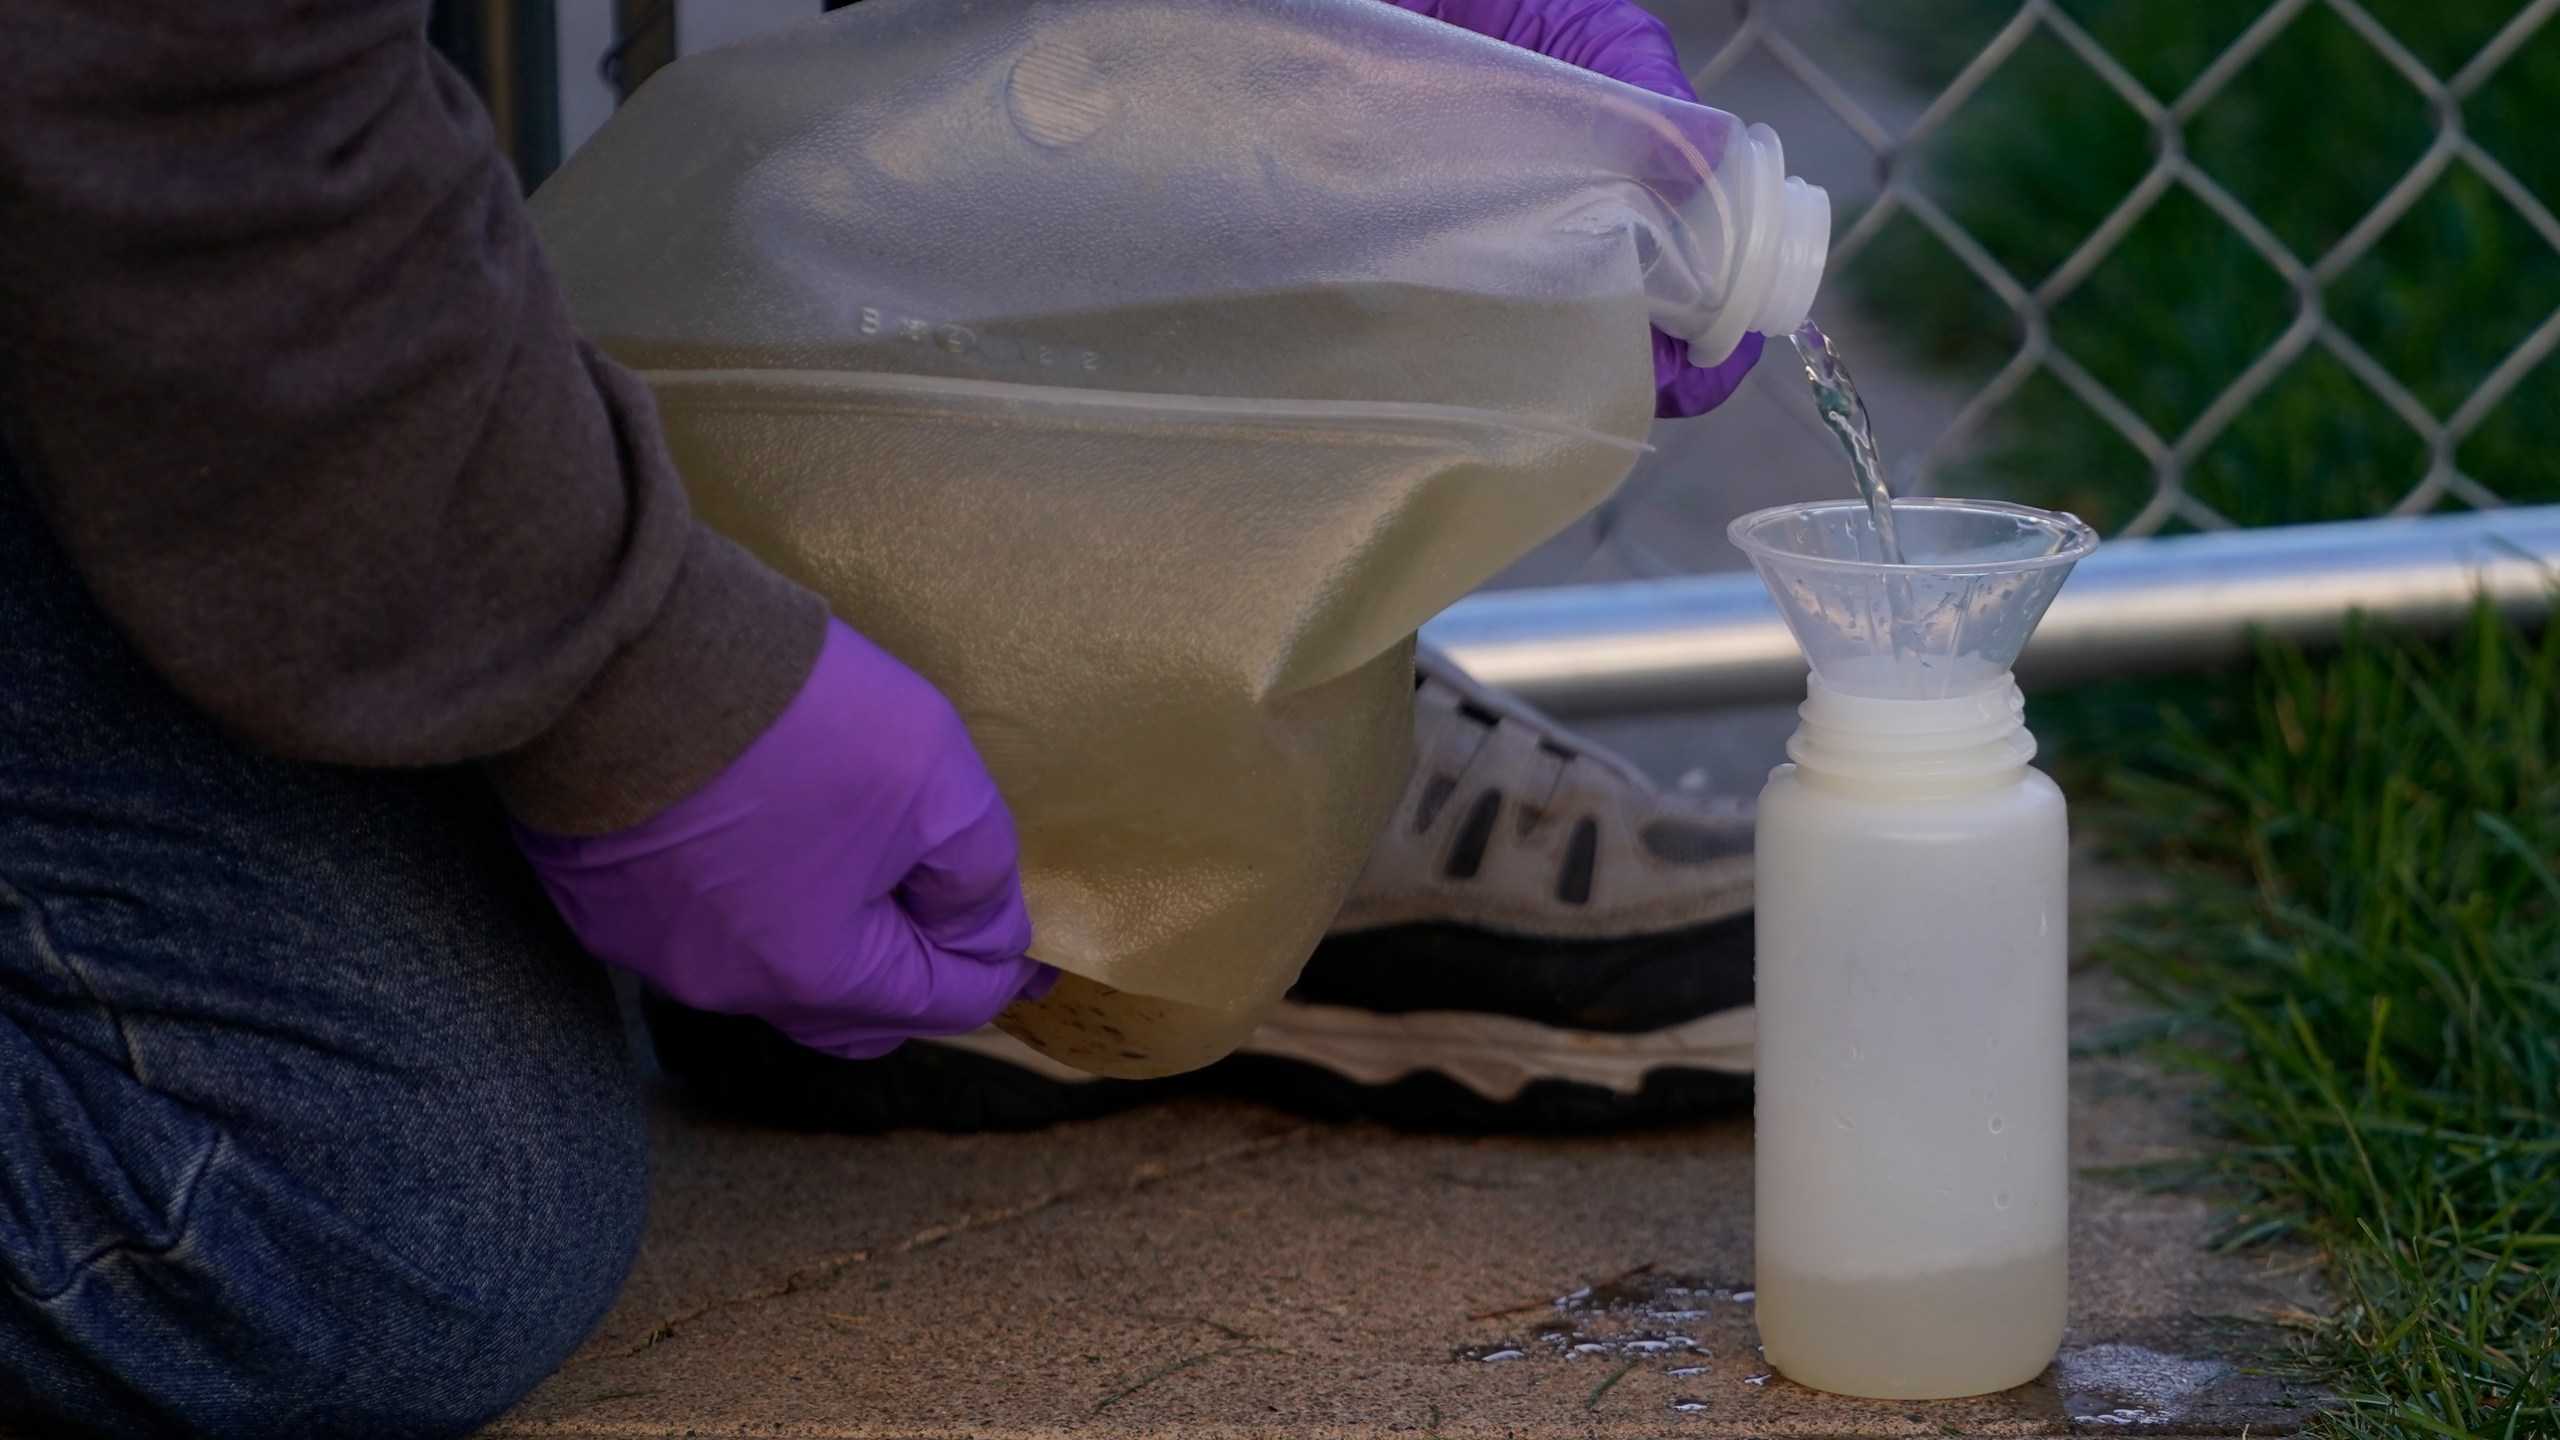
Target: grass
<point>2365,954</point>
<point>2309,135</point>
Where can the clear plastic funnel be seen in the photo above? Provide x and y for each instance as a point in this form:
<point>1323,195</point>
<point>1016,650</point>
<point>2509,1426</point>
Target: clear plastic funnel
<point>1949,621</point>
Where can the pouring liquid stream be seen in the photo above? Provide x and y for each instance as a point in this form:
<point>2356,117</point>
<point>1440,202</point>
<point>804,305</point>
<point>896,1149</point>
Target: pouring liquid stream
<point>1844,413</point>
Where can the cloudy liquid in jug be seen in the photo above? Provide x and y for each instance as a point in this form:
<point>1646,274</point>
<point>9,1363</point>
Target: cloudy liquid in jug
<point>1176,622</point>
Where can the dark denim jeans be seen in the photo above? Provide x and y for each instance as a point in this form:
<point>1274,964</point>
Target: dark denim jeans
<point>314,1120</point>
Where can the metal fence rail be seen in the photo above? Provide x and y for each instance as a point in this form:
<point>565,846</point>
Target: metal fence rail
<point>2173,603</point>
<point>1906,190</point>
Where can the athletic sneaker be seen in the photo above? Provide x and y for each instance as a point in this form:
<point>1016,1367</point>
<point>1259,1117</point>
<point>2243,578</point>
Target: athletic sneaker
<point>1541,940</point>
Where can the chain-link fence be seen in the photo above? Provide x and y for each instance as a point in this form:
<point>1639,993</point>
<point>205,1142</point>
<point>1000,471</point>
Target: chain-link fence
<point>1771,34</point>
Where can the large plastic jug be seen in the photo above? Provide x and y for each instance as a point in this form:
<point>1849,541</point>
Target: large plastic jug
<point>1144,372</point>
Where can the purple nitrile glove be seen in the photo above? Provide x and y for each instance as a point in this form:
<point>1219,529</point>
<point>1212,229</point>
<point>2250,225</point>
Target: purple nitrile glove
<point>1625,42</point>
<point>850,878</point>
<point>1682,389</point>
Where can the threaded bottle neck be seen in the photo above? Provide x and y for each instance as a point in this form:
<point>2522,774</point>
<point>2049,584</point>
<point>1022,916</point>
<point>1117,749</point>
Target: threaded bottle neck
<point>1779,237</point>
<point>1874,746</point>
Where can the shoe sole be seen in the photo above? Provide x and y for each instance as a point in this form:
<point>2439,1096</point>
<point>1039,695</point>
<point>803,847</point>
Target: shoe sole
<point>1469,1073</point>
<point>1497,1056</point>
<point>1444,1071</point>
<point>1456,1071</point>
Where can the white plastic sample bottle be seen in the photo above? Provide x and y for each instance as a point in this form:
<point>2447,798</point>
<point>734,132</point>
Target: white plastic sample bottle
<point>1913,1168</point>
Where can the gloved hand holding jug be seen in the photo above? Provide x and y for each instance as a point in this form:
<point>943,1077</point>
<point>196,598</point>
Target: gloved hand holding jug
<point>851,878</point>
<point>1457,296</point>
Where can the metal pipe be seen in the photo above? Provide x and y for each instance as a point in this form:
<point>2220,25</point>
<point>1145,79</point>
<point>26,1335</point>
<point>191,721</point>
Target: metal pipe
<point>2186,602</point>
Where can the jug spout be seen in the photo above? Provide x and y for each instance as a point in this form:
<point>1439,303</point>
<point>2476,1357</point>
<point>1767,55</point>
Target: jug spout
<point>1777,233</point>
<point>1978,576</point>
